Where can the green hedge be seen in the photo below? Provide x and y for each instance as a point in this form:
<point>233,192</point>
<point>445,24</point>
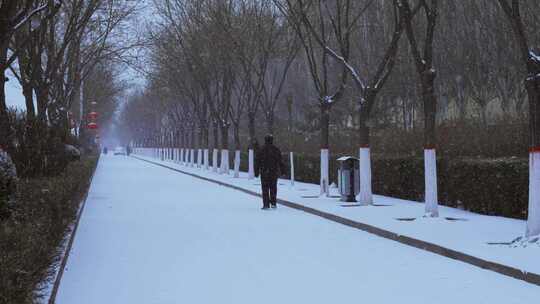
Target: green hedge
<point>30,238</point>
<point>486,186</point>
<point>492,187</point>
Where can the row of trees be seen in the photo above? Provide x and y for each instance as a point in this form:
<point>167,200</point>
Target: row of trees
<point>219,65</point>
<point>50,47</point>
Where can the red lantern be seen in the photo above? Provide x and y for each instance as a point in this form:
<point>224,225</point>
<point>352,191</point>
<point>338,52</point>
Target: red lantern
<point>92,126</point>
<point>92,115</point>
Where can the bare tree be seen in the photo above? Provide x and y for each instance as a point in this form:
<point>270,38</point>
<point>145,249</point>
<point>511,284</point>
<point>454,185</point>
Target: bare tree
<point>531,61</point>
<point>423,58</point>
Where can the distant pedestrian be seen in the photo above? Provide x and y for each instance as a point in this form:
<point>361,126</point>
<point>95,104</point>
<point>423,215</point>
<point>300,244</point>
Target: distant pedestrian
<point>269,165</point>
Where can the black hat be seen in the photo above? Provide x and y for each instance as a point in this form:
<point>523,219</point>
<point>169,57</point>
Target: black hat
<point>269,139</point>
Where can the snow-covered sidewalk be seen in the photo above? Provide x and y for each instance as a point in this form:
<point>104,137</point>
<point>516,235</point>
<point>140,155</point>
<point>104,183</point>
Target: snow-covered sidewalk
<point>470,233</point>
<point>152,235</point>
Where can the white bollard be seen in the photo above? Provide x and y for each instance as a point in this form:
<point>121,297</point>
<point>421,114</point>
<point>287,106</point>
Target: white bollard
<point>251,164</point>
<point>215,160</point>
<point>291,157</point>
<point>206,163</point>
<point>324,173</point>
<point>225,162</point>
<point>237,164</point>
<point>181,156</point>
<point>430,175</point>
<point>533,220</point>
<point>365,197</point>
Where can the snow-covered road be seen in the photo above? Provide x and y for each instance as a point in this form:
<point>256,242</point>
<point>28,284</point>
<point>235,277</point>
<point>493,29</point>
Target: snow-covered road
<point>152,235</point>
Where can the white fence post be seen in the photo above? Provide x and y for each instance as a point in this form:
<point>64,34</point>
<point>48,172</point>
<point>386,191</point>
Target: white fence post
<point>430,175</point>
<point>237,164</point>
<point>215,160</point>
<point>324,173</point>
<point>251,164</point>
<point>365,197</point>
<point>291,156</point>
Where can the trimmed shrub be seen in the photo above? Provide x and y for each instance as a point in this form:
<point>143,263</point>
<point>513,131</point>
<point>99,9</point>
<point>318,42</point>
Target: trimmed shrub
<point>492,187</point>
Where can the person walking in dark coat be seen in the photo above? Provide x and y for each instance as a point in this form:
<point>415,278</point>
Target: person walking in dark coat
<point>269,165</point>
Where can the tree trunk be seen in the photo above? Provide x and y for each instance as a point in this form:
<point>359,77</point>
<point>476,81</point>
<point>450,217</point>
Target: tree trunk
<point>430,160</point>
<point>224,149</point>
<point>532,84</point>
<point>216,134</point>
<point>5,128</point>
<point>365,197</point>
<point>325,126</point>
<point>205,137</point>
<point>224,137</point>
<point>42,98</point>
<point>324,162</point>
<point>251,129</point>
<point>29,101</point>
<point>237,144</point>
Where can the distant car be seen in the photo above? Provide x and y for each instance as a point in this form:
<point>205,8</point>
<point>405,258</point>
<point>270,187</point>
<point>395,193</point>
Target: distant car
<point>119,151</point>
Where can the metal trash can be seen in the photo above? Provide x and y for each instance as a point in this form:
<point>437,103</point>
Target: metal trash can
<point>348,178</point>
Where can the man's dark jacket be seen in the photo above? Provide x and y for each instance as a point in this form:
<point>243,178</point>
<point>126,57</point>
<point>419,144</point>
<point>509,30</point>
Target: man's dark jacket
<point>268,162</point>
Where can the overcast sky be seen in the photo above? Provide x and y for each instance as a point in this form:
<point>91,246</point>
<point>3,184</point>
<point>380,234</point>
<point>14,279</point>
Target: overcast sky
<point>14,95</point>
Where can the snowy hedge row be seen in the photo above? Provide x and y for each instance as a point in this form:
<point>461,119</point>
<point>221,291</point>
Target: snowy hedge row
<point>486,186</point>
<point>30,238</point>
<point>493,187</point>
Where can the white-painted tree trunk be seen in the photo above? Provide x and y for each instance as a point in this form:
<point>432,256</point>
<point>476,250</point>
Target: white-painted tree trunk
<point>251,164</point>
<point>533,220</point>
<point>199,158</point>
<point>324,173</point>
<point>224,161</point>
<point>182,156</point>
<point>206,163</point>
<point>192,157</point>
<point>215,160</point>
<point>430,167</point>
<point>365,197</point>
<point>237,163</point>
<point>291,157</point>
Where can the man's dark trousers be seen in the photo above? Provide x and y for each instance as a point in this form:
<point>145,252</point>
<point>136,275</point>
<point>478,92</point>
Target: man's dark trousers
<point>269,190</point>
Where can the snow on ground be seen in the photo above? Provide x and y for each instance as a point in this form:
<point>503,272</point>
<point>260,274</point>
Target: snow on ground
<point>470,236</point>
<point>152,235</point>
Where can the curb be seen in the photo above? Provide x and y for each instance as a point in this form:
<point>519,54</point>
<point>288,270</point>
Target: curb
<point>82,204</point>
<point>515,273</point>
